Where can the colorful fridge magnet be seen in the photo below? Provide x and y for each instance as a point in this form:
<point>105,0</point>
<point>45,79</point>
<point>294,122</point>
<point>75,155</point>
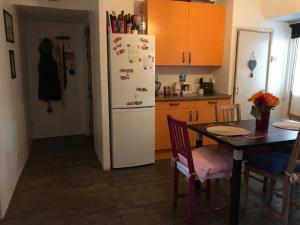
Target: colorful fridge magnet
<point>134,54</point>
<point>138,103</point>
<point>148,62</point>
<point>144,40</point>
<point>130,103</point>
<point>134,103</point>
<point>145,47</point>
<point>125,77</point>
<point>142,89</point>
<point>126,70</point>
<point>118,46</point>
<point>145,43</point>
<point>117,39</point>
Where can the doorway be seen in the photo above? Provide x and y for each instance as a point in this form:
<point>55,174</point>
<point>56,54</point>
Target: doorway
<point>253,47</point>
<point>71,114</point>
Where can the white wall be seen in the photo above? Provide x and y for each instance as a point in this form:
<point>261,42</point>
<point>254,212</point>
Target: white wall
<point>249,15</point>
<point>70,116</point>
<point>100,86</point>
<point>14,143</point>
<point>63,4</point>
<point>280,8</point>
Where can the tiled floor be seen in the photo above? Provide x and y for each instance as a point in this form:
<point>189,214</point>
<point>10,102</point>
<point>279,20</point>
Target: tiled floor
<point>63,185</point>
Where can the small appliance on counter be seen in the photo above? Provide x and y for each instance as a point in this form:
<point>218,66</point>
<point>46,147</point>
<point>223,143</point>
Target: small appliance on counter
<point>167,91</point>
<point>186,88</point>
<point>177,88</point>
<point>157,87</point>
<point>208,88</point>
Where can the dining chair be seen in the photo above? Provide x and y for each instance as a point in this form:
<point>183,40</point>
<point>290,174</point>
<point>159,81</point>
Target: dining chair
<point>228,113</point>
<point>277,166</point>
<point>202,164</point>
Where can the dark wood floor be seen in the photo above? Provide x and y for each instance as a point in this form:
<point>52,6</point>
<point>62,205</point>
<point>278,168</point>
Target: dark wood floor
<point>63,185</point>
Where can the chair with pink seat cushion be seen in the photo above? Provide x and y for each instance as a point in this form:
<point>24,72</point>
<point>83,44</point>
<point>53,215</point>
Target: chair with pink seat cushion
<point>202,164</point>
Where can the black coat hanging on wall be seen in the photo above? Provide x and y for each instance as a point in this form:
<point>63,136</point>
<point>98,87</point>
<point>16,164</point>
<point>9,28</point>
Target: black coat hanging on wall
<point>49,86</point>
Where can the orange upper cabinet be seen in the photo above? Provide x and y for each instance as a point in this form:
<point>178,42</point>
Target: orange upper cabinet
<point>206,34</point>
<point>187,33</point>
<point>168,21</point>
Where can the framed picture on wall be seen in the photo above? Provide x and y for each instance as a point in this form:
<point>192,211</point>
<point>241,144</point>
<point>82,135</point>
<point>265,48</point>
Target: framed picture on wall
<point>9,26</point>
<point>12,64</point>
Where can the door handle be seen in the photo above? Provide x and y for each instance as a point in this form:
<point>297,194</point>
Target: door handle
<point>190,58</point>
<point>174,104</point>
<point>237,91</point>
<point>191,116</point>
<point>183,57</point>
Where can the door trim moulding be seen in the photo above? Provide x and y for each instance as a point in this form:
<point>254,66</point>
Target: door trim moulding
<point>237,32</point>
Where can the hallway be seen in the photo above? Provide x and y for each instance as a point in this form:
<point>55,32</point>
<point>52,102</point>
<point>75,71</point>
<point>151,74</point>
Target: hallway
<point>63,185</point>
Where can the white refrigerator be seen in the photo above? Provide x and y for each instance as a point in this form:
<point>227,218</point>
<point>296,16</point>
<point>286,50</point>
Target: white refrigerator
<point>132,99</point>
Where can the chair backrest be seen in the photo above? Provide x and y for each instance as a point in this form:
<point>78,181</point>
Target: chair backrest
<point>228,113</point>
<point>180,142</point>
<point>294,158</point>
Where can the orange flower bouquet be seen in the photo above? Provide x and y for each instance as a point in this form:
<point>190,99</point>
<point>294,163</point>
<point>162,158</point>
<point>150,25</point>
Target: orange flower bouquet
<point>263,103</point>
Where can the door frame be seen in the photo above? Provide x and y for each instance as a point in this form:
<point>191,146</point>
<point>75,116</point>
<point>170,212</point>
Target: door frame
<point>266,31</point>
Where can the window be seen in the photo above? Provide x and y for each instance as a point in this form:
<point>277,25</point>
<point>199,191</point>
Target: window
<point>294,74</point>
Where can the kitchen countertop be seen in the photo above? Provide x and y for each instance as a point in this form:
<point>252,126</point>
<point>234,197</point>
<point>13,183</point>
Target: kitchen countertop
<point>191,97</point>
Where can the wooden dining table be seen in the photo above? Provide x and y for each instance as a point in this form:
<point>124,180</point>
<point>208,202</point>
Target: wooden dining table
<point>239,145</point>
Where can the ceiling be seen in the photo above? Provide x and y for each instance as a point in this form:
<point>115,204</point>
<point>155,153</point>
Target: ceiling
<point>291,18</point>
<point>52,14</point>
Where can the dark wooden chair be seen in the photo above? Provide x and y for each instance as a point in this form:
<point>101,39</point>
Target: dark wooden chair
<point>277,166</point>
<point>202,164</point>
<point>228,113</point>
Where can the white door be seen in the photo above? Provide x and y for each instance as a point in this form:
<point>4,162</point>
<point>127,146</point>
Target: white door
<point>251,45</point>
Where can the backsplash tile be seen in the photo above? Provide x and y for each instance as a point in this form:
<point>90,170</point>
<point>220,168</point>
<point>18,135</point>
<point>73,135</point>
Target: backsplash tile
<point>170,79</point>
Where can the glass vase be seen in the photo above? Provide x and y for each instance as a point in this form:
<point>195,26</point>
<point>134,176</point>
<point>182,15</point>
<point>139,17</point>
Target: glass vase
<point>263,123</point>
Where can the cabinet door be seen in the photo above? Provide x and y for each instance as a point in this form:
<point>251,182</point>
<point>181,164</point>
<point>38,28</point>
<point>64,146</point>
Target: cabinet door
<point>205,113</point>
<point>206,34</point>
<point>162,137</point>
<point>168,21</point>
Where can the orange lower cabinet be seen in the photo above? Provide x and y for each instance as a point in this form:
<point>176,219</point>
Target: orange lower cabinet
<point>180,110</point>
<point>205,113</point>
<point>190,111</point>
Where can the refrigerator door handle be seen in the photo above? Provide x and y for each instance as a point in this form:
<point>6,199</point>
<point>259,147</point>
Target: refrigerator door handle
<point>134,109</point>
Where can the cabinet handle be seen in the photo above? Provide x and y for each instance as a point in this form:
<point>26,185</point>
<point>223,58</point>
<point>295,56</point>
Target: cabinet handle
<point>191,116</point>
<point>197,115</point>
<point>183,57</point>
<point>174,104</point>
<point>212,102</point>
<point>190,58</point>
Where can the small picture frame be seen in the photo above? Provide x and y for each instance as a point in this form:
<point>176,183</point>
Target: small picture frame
<point>119,26</point>
<point>12,64</point>
<point>9,27</point>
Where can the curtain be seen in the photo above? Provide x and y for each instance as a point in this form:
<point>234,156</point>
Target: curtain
<point>293,77</point>
<point>295,30</point>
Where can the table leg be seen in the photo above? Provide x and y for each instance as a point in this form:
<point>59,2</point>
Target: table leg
<point>199,140</point>
<point>235,187</point>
